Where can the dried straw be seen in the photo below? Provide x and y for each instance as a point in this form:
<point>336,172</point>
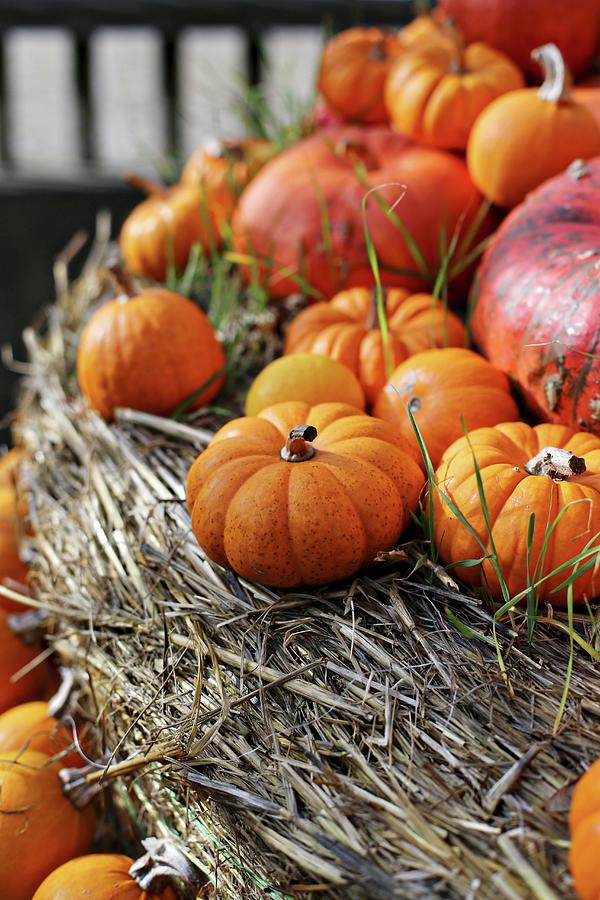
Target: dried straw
<point>349,742</point>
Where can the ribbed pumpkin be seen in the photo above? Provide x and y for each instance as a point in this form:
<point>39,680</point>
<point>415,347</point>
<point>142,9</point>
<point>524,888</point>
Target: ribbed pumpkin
<point>285,504</point>
<point>355,64</point>
<point>584,824</point>
<point>31,726</point>
<point>440,387</point>
<point>15,654</point>
<point>106,874</point>
<point>300,220</point>
<point>547,470</point>
<point>161,230</point>
<point>11,565</point>
<point>527,136</point>
<point>434,95</point>
<point>518,26</point>
<point>149,351</point>
<point>347,329</point>
<point>537,302</point>
<point>305,377</point>
<point>39,827</point>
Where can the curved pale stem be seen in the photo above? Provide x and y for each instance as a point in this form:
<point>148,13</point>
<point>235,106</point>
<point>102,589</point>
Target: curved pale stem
<point>557,78</point>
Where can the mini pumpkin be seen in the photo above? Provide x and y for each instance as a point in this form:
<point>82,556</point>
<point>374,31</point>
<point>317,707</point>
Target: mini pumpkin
<point>550,471</point>
<point>441,388</point>
<point>307,377</point>
<point>109,875</point>
<point>527,136</point>
<point>584,824</point>
<point>161,230</point>
<point>149,351</point>
<point>30,726</point>
<point>347,329</point>
<point>15,654</point>
<point>285,504</point>
<point>434,95</point>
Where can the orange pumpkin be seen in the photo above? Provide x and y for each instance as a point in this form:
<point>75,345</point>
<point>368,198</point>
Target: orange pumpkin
<point>355,64</point>
<point>434,95</point>
<point>441,387</point>
<point>224,167</point>
<point>149,351</point>
<point>11,565</point>
<point>9,465</point>
<point>30,726</point>
<point>588,94</point>
<point>526,137</point>
<point>347,329</point>
<point>584,824</point>
<point>106,873</point>
<point>39,827</point>
<point>286,504</point>
<point>306,377</point>
<point>15,655</point>
<point>161,230</point>
<point>543,470</point>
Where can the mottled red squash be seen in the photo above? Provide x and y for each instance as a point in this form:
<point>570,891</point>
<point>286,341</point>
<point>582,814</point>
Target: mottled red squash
<point>537,298</point>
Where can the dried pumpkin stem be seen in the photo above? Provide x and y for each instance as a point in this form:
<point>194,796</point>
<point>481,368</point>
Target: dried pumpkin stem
<point>296,448</point>
<point>557,78</point>
<point>146,185</point>
<point>373,319</point>
<point>161,862</point>
<point>456,45</point>
<point>120,280</point>
<point>58,703</point>
<point>556,463</point>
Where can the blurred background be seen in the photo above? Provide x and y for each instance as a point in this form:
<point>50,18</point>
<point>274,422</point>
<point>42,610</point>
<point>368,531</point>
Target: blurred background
<point>91,90</point>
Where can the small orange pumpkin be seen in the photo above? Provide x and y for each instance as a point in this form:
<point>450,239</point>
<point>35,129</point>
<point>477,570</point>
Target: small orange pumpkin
<point>39,827</point>
<point>524,470</point>
<point>14,655</point>
<point>161,230</point>
<point>584,824</point>
<point>440,387</point>
<point>303,376</point>
<point>347,329</point>
<point>149,351</point>
<point>224,168</point>
<point>527,136</point>
<point>30,726</point>
<point>434,95</point>
<point>107,874</point>
<point>285,504</point>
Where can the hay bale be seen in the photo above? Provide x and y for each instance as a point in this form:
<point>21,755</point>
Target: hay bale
<point>361,741</point>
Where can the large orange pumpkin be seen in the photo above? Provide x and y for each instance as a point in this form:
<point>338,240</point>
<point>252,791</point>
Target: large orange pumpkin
<point>30,726</point>
<point>15,654</point>
<point>441,387</point>
<point>161,230</point>
<point>107,874</point>
<point>584,824</point>
<point>588,94</point>
<point>149,351</point>
<point>526,137</point>
<point>285,504</point>
<point>347,329</point>
<point>223,168</point>
<point>547,470</point>
<point>434,95</point>
<point>39,827</point>
<point>299,222</point>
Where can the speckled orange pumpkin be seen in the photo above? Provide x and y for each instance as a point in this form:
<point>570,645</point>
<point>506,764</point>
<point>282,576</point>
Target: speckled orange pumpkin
<point>347,329</point>
<point>285,504</point>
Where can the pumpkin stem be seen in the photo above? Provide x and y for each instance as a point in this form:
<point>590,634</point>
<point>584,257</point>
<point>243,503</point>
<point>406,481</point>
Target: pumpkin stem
<point>355,151</point>
<point>161,862</point>
<point>556,87</point>
<point>296,449</point>
<point>58,703</point>
<point>120,280</point>
<point>146,185</point>
<point>218,149</point>
<point>557,464</point>
<point>377,52</point>
<point>373,318</point>
<point>78,787</point>
<point>456,45</point>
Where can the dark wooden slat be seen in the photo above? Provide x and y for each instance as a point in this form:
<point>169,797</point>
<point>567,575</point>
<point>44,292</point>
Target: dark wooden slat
<point>84,106</point>
<point>5,155</point>
<point>169,71</point>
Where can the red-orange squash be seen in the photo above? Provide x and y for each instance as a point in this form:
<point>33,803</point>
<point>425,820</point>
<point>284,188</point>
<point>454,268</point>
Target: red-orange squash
<point>15,654</point>
<point>584,824</point>
<point>347,329</point>
<point>149,351</point>
<point>30,726</point>
<point>550,471</point>
<point>161,230</point>
<point>107,874</point>
<point>527,136</point>
<point>434,95</point>
<point>223,168</point>
<point>39,827</point>
<point>441,387</point>
<point>299,223</point>
<point>302,496</point>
